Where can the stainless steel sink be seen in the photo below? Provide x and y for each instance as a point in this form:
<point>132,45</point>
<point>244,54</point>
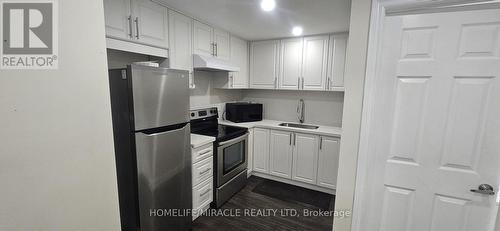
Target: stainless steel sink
<point>293,125</point>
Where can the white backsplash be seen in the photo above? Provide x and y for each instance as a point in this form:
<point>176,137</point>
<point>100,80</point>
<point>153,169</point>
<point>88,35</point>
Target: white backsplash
<point>322,108</point>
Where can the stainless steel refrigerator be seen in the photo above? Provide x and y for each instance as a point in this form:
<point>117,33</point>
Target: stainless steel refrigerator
<point>152,146</point>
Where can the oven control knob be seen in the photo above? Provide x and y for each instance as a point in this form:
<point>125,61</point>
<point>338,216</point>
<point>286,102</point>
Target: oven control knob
<point>192,114</point>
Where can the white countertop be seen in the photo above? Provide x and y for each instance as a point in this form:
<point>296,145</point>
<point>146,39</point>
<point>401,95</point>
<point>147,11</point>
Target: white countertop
<point>200,140</point>
<point>273,124</point>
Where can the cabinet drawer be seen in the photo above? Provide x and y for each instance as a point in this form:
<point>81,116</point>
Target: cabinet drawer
<point>202,152</point>
<point>202,170</point>
<point>203,194</point>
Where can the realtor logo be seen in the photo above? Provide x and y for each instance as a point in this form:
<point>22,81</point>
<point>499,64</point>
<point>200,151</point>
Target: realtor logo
<point>29,34</point>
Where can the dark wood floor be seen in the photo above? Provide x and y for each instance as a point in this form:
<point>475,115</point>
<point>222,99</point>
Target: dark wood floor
<point>247,199</point>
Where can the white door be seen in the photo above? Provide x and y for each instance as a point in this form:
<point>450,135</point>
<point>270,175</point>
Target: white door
<point>436,127</point>
<point>222,43</point>
<point>305,158</point>
<point>314,64</point>
<point>202,39</point>
<point>281,154</point>
<point>118,19</point>
<point>328,161</point>
<point>239,56</point>
<point>150,23</point>
<point>261,150</point>
<point>336,60</point>
<point>291,63</point>
<point>264,64</point>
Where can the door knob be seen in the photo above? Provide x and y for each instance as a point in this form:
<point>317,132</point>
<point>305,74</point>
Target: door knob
<point>485,189</point>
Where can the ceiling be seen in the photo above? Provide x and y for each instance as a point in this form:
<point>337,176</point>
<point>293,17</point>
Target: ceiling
<point>245,18</point>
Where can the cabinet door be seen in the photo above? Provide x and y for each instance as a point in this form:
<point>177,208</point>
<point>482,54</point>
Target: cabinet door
<point>222,44</point>
<point>281,154</point>
<point>239,56</point>
<point>117,16</point>
<point>181,50</point>
<point>150,23</point>
<point>336,63</point>
<point>328,161</point>
<point>202,39</point>
<point>305,158</point>
<point>261,150</point>
<point>314,64</point>
<point>264,64</point>
<point>291,63</point>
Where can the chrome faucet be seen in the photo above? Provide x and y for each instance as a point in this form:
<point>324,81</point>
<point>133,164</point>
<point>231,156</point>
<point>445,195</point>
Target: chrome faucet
<point>300,110</point>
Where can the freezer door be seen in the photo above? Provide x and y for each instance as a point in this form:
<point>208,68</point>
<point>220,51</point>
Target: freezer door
<point>160,96</point>
<point>164,178</point>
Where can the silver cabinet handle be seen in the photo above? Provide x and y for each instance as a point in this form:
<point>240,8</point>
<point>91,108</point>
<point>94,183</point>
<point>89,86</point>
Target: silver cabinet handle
<point>205,171</point>
<point>302,83</point>
<point>213,48</point>
<point>216,49</point>
<point>298,83</point>
<point>205,152</point>
<point>129,18</point>
<point>136,27</point>
<point>207,191</point>
<point>328,83</point>
<point>290,138</point>
<point>484,189</point>
<point>320,143</point>
<point>294,138</point>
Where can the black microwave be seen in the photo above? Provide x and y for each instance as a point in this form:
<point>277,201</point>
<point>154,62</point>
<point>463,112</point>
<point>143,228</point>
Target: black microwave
<point>243,112</point>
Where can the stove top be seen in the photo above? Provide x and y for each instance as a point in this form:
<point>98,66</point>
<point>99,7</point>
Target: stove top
<point>205,122</point>
<point>222,132</point>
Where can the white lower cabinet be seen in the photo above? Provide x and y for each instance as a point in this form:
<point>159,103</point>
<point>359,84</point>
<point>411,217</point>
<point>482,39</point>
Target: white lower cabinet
<point>297,157</point>
<point>281,154</point>
<point>305,158</point>
<point>261,150</point>
<point>202,178</point>
<point>202,197</point>
<point>328,161</point>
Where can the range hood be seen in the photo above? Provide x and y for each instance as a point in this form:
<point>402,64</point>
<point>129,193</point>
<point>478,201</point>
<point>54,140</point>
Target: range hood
<point>210,63</point>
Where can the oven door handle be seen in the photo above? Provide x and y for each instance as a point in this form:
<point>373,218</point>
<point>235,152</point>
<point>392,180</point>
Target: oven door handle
<point>235,140</point>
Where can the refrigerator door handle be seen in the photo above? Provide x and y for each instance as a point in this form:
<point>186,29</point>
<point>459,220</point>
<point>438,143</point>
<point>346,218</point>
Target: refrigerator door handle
<point>171,128</point>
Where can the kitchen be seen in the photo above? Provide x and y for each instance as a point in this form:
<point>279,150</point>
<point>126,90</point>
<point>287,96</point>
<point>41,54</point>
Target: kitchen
<point>287,77</point>
<point>250,115</point>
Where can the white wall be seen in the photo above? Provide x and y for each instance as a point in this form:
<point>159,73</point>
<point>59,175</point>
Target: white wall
<point>354,88</point>
<point>57,167</point>
<point>205,94</point>
<point>323,108</point>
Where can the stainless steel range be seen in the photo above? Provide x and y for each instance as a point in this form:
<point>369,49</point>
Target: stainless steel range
<point>231,149</point>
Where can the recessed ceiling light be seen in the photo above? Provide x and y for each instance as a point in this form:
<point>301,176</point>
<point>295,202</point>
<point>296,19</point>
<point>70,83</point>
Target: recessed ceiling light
<point>297,30</point>
<point>267,5</point>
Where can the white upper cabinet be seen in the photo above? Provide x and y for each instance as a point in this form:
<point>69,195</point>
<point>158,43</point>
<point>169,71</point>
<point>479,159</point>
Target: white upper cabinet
<point>281,153</point>
<point>291,63</point>
<point>336,63</point>
<point>314,64</point>
<point>221,40</point>
<point>202,39</point>
<point>239,56</point>
<point>211,42</point>
<point>181,43</point>
<point>261,150</point>
<point>139,26</point>
<point>264,59</point>
<point>328,161</point>
<point>118,18</point>
<point>305,158</point>
<point>151,23</point>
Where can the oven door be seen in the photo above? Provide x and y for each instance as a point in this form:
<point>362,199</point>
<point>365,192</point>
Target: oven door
<point>231,158</point>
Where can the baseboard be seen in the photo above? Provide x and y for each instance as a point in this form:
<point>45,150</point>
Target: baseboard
<point>292,182</point>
